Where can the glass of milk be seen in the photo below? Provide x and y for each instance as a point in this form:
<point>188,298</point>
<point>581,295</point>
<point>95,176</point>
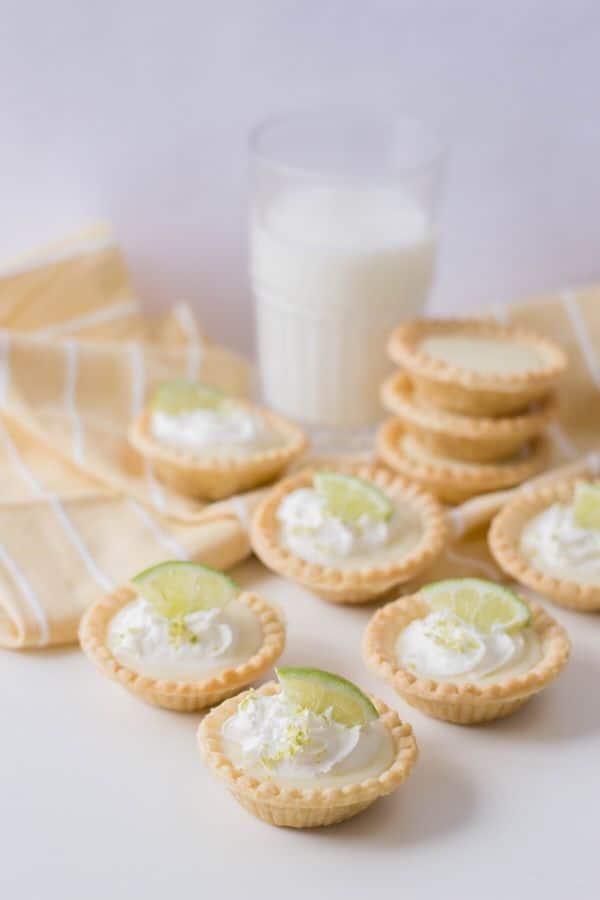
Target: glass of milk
<point>342,248</point>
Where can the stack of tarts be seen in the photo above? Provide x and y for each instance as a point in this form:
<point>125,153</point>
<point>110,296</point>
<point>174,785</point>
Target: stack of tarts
<point>469,405</point>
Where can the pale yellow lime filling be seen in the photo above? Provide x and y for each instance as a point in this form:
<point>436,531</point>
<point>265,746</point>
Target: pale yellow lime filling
<point>480,354</point>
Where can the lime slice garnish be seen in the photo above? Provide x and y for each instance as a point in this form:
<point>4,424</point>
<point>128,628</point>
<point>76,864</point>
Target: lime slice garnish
<point>586,509</point>
<point>349,498</point>
<point>320,691</point>
<point>181,396</point>
<point>176,589</point>
<point>481,603</point>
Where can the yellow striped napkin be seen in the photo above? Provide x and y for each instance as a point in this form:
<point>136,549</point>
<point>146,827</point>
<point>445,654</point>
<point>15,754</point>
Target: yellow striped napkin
<point>78,511</point>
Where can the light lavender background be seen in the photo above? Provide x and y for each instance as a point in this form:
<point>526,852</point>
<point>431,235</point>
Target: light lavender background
<point>139,111</point>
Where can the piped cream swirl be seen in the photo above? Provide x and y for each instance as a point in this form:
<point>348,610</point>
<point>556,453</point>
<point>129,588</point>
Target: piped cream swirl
<point>312,533</point>
<point>187,647</point>
<point>228,432</point>
<point>443,647</point>
<point>273,737</point>
<point>554,542</point>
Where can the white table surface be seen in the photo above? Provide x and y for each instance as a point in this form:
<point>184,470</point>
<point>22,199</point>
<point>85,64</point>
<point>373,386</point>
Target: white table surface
<point>105,797</point>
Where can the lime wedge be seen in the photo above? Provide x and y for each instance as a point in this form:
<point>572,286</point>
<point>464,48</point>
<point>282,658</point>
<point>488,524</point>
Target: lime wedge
<point>586,509</point>
<point>320,691</point>
<point>349,498</point>
<point>178,588</point>
<point>181,396</point>
<point>481,603</point>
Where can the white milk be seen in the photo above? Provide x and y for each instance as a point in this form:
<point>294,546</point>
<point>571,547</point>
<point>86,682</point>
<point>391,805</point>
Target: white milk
<point>333,271</point>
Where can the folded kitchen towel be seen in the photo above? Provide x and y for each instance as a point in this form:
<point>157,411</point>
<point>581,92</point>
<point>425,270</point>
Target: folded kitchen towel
<point>79,512</point>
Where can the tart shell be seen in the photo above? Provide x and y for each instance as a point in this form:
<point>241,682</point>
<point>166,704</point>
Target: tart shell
<point>469,438</point>
<point>505,545</point>
<point>214,478</point>
<point>356,585</point>
<point>449,482</point>
<point>468,703</point>
<point>298,807</point>
<point>182,696</point>
<point>468,391</point>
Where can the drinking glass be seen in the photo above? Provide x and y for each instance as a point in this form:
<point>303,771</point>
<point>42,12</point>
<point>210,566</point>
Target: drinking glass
<point>343,239</point>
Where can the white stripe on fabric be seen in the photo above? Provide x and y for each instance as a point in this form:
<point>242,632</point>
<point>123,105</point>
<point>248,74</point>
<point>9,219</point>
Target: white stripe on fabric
<point>457,521</point>
<point>138,378</point>
<point>240,508</point>
<point>60,512</point>
<point>17,461</point>
<point>138,391</point>
<point>562,440</point>
<point>592,461</point>
<point>171,545</point>
<point>99,238</point>
<point>581,333</point>
<point>195,345</point>
<point>97,317</point>
<point>28,592</point>
<point>486,568</point>
<point>72,361</point>
<point>4,366</point>
<point>75,537</point>
<point>157,495</point>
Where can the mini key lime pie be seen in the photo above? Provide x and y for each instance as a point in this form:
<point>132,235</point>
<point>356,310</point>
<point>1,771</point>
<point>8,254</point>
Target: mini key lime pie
<point>311,750</point>
<point>549,539</point>
<point>476,367</point>
<point>183,636</point>
<point>465,650</point>
<point>206,444</point>
<point>349,534</point>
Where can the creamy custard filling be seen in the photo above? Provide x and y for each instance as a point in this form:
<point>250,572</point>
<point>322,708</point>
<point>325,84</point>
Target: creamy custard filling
<point>313,534</point>
<point>554,543</point>
<point>480,354</point>
<point>443,647</point>
<point>231,431</point>
<point>187,648</point>
<point>270,737</point>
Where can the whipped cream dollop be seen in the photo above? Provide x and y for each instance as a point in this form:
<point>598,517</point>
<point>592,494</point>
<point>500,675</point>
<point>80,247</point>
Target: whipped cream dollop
<point>273,735</point>
<point>228,431</point>
<point>554,542</point>
<point>443,647</point>
<point>309,531</point>
<point>139,631</point>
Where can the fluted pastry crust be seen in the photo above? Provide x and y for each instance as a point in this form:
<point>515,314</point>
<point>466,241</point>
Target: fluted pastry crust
<point>214,478</point>
<point>466,390</point>
<point>465,703</point>
<point>299,807</point>
<point>505,545</point>
<point>349,585</point>
<point>469,438</point>
<point>452,483</point>
<point>183,696</point>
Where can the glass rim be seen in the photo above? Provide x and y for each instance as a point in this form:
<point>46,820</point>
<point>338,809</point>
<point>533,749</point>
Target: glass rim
<point>435,157</point>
